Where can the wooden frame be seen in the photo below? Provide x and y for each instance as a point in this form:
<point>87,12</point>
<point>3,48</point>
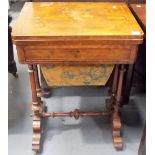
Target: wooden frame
<point>39,112</point>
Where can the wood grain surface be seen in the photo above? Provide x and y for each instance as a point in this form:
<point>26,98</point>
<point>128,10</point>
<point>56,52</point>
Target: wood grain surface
<point>40,19</point>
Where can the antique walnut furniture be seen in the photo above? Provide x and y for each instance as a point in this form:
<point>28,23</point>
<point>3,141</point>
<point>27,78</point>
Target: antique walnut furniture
<point>76,33</point>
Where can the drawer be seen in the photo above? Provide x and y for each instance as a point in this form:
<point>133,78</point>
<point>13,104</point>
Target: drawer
<point>86,55</point>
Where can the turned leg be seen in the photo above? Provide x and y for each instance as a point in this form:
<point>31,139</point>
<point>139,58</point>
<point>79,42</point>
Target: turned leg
<point>37,108</point>
<point>116,121</point>
<point>110,102</point>
<point>41,91</point>
<point>36,76</point>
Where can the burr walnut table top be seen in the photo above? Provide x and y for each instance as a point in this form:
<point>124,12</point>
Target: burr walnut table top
<point>76,33</point>
<point>48,19</point>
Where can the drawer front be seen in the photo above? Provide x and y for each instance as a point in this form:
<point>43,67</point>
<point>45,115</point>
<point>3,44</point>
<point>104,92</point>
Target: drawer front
<point>101,55</point>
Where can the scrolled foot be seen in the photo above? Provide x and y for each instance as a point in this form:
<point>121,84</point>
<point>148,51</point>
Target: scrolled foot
<point>117,140</point>
<point>37,129</point>
<point>36,142</point>
<point>116,134</point>
<point>36,138</point>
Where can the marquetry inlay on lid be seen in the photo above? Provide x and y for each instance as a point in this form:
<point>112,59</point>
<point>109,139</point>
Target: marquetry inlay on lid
<point>54,19</point>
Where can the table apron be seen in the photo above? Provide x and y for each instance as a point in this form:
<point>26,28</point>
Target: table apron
<point>105,55</point>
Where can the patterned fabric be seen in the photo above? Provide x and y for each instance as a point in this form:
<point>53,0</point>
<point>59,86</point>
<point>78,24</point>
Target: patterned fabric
<point>69,75</point>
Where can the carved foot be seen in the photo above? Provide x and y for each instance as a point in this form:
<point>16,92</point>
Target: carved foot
<point>37,128</point>
<point>116,133</point>
<point>36,134</point>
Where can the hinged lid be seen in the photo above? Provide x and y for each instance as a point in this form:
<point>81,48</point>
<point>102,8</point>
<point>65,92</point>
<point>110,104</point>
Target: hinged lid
<point>48,20</point>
